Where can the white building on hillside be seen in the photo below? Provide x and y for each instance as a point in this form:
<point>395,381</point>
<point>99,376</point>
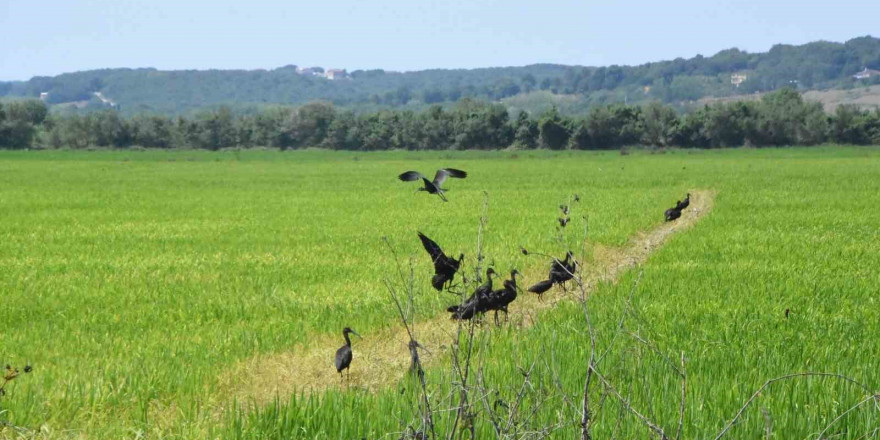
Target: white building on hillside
<point>335,74</point>
<point>867,73</point>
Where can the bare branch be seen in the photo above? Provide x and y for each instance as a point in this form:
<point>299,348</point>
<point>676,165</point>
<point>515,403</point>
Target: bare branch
<point>768,423</point>
<point>852,408</point>
<point>683,397</point>
<point>786,377</point>
<point>651,425</point>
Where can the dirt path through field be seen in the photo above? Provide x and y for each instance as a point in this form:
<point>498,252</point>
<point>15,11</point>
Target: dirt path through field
<point>381,358</point>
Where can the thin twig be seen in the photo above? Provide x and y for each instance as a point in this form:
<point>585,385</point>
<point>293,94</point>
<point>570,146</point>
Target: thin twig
<point>413,344</point>
<point>786,377</point>
<point>651,425</point>
<point>852,408</point>
<point>623,315</point>
<point>683,397</point>
<point>585,409</point>
<point>768,423</point>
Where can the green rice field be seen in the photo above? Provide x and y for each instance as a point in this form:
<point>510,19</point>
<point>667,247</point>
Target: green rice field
<point>141,286</point>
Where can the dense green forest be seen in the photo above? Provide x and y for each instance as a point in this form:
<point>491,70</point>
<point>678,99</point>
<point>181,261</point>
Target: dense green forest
<point>780,118</point>
<point>132,91</point>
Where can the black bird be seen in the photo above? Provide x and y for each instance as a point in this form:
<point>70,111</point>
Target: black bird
<point>540,287</point>
<point>444,267</point>
<point>478,301</point>
<point>577,198</point>
<point>681,205</point>
<point>433,187</point>
<point>500,299</point>
<point>560,272</point>
<point>564,209</point>
<point>563,221</point>
<point>672,214</point>
<point>344,355</point>
<point>486,288</point>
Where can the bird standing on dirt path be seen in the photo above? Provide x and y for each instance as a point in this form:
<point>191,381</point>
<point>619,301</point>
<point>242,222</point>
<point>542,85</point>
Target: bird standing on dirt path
<point>560,272</point>
<point>681,205</point>
<point>478,301</point>
<point>344,354</point>
<point>444,267</point>
<point>672,214</point>
<point>433,186</point>
<point>500,299</point>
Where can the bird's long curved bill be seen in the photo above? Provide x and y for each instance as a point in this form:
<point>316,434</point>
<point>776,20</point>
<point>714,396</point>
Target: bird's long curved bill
<point>357,334</point>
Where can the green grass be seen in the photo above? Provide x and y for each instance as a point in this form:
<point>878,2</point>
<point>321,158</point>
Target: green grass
<point>132,280</point>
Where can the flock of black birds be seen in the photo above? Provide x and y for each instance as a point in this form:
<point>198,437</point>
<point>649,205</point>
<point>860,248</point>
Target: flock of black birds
<point>675,212</point>
<point>484,298</point>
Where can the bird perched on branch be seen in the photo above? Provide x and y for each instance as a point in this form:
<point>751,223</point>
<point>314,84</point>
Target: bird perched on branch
<point>500,299</point>
<point>444,267</point>
<point>477,303</point>
<point>433,186</point>
<point>560,272</point>
<point>344,354</point>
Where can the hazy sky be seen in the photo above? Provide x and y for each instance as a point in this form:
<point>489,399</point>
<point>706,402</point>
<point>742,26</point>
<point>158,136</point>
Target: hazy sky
<point>53,36</point>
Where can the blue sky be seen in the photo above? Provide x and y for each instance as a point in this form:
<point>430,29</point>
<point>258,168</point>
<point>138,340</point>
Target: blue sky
<point>51,37</point>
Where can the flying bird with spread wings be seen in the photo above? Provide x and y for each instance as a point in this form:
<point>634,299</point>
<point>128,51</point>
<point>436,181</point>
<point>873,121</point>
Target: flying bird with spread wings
<point>444,266</point>
<point>433,186</point>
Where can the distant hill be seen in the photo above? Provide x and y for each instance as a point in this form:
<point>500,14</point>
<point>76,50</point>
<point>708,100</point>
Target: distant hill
<point>729,73</point>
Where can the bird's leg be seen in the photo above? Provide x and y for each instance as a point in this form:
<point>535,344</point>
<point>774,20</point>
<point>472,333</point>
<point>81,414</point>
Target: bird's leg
<point>496,318</point>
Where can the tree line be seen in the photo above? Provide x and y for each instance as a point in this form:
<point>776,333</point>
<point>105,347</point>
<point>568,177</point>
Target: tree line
<point>780,118</point>
<point>813,65</point>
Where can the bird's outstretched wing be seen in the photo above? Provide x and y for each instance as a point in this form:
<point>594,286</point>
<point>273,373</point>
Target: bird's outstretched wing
<point>442,174</point>
<point>410,176</point>
<point>434,251</point>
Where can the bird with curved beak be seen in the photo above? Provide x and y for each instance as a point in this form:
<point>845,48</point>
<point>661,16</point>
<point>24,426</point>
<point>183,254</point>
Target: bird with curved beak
<point>477,303</point>
<point>682,204</point>
<point>500,299</point>
<point>344,354</point>
<point>560,272</point>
